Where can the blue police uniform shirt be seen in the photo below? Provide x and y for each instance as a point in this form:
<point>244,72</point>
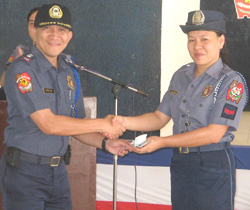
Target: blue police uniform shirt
<point>33,84</point>
<point>217,96</point>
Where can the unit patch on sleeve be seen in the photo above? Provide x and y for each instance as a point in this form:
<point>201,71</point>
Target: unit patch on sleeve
<point>229,111</point>
<point>234,94</point>
<point>24,83</point>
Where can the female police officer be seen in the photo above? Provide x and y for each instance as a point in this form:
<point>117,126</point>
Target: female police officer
<point>205,99</point>
<point>42,92</point>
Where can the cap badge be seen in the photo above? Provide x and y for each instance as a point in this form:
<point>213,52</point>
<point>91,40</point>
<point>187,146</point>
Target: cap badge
<point>198,18</point>
<point>55,12</point>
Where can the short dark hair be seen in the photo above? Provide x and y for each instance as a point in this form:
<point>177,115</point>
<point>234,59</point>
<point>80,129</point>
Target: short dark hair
<point>224,50</point>
<point>31,12</point>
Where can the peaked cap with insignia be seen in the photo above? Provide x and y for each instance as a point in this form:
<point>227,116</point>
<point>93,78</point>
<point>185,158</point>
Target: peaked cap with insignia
<point>53,14</point>
<point>205,20</point>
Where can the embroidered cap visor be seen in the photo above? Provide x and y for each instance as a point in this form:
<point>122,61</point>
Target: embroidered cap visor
<point>53,14</point>
<point>205,20</point>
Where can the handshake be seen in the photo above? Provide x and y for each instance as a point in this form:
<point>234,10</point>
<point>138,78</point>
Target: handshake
<point>114,127</point>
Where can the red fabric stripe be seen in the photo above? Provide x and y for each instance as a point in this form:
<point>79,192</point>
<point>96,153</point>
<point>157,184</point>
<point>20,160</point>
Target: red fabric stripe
<point>108,205</point>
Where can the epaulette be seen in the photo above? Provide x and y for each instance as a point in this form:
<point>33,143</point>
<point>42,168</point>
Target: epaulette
<point>27,57</point>
<point>187,65</point>
<point>227,70</point>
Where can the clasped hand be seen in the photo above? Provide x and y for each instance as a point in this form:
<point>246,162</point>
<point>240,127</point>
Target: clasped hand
<point>115,127</point>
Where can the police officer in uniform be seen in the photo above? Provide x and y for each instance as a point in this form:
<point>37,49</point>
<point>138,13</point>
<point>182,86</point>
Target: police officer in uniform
<point>205,100</point>
<point>45,107</point>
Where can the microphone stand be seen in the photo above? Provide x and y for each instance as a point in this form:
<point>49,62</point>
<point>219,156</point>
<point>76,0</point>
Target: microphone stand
<point>116,90</point>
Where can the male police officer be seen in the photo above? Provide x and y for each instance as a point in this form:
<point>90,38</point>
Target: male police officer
<point>42,92</point>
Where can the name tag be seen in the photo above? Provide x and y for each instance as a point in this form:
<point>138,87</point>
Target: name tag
<point>48,90</point>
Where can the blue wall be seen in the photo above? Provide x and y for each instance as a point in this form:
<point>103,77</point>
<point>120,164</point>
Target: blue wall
<point>119,39</point>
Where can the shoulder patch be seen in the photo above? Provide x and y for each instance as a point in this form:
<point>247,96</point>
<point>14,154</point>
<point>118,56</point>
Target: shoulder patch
<point>235,92</point>
<point>24,83</point>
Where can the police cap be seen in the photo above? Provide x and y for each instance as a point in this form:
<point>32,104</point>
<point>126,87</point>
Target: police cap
<point>205,20</point>
<point>53,14</point>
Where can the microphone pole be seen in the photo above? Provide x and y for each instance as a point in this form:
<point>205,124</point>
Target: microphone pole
<point>116,90</point>
<point>82,68</point>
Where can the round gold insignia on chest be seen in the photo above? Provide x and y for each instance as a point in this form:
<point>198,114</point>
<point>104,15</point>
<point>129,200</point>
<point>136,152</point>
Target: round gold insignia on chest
<point>207,91</point>
<point>70,83</point>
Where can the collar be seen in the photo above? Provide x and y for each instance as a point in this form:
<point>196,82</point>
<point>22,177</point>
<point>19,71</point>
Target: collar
<point>213,71</point>
<point>190,70</point>
<point>43,62</point>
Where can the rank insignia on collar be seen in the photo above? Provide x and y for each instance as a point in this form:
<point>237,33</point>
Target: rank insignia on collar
<point>70,83</point>
<point>207,91</point>
<point>173,92</point>
<point>24,83</point>
<point>27,57</point>
<point>234,94</point>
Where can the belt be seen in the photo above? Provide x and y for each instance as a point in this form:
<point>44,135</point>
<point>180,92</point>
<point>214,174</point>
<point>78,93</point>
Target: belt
<point>206,148</point>
<point>52,161</point>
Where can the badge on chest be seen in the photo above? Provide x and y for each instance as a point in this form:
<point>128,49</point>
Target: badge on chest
<point>70,83</point>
